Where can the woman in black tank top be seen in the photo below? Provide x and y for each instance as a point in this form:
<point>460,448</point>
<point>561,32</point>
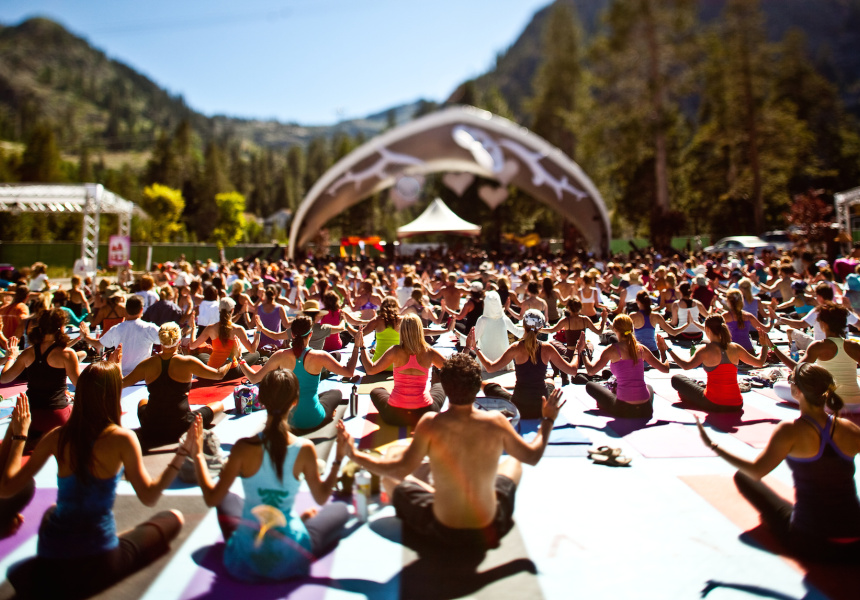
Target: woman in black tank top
<point>568,330</point>
<point>166,414</point>
<point>46,382</point>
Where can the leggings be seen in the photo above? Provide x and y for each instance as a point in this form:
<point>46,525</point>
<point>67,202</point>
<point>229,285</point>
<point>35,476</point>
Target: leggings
<point>252,358</point>
<point>330,400</point>
<point>395,415</point>
<point>530,407</point>
<point>692,392</point>
<point>776,512</point>
<point>325,528</point>
<point>81,577</point>
<point>609,402</point>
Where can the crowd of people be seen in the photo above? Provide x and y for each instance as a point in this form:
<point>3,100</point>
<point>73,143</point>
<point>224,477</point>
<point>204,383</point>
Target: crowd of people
<point>286,325</point>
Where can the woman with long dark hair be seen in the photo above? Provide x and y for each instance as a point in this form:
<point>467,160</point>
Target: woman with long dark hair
<point>79,552</point>
<point>314,409</point>
<point>570,328</point>
<point>824,521</point>
<point>468,316</point>
<point>386,324</point>
<point>48,361</point>
<point>530,357</point>
<point>719,358</point>
<point>272,315</point>
<point>271,466</point>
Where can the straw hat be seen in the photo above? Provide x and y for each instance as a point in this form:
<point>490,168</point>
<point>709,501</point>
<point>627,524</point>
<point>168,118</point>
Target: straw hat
<point>312,307</point>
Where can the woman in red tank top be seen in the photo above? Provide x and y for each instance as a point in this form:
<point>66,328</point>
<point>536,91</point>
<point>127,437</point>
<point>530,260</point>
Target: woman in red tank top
<point>719,358</point>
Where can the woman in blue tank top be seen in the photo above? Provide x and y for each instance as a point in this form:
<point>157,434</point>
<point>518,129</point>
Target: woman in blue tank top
<point>78,535</point>
<point>314,408</point>
<point>824,522</point>
<point>266,540</point>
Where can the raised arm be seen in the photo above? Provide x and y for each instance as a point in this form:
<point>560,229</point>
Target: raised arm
<point>693,362</point>
<point>777,449</point>
<point>531,452</point>
<point>147,489</point>
<point>386,466</point>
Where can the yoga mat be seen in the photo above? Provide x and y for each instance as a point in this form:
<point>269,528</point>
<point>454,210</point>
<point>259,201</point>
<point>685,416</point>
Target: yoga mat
<point>212,392</point>
<point>10,390</point>
<point>752,426</point>
<point>33,512</point>
<point>366,388</point>
<point>507,379</point>
<point>837,582</point>
<point>325,438</point>
<point>564,433</point>
<point>134,389</point>
<point>379,433</point>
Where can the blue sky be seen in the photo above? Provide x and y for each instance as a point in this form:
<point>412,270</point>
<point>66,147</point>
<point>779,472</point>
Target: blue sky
<point>309,61</point>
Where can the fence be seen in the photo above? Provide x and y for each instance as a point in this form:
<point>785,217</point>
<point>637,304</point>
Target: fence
<point>64,254</point>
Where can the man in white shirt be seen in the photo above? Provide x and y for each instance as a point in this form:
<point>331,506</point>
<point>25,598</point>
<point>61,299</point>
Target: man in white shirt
<point>136,336</point>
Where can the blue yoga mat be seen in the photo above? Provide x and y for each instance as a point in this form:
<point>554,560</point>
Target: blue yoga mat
<point>561,435</point>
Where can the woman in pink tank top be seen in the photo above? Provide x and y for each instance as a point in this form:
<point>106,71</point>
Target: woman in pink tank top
<point>413,393</point>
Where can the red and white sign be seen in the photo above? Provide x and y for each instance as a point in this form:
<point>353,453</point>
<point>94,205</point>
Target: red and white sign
<point>119,250</point>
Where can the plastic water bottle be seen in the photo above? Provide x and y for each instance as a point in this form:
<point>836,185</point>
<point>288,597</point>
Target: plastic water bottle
<point>98,331</point>
<point>353,401</point>
<point>794,353</point>
<point>362,495</point>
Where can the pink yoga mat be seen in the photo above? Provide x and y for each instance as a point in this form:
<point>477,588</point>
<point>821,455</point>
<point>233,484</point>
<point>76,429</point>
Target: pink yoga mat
<point>665,435</point>
<point>752,427</point>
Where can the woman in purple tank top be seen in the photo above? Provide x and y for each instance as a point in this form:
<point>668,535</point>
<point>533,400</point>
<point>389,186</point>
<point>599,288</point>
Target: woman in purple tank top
<point>273,316</point>
<point>632,398</point>
<point>824,522</point>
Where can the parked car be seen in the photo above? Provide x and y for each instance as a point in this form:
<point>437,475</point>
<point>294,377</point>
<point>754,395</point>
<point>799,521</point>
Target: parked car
<point>781,240</point>
<point>741,243</point>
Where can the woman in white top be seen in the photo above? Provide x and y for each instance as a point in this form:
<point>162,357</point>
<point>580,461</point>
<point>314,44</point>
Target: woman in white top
<point>836,354</point>
<point>491,330</point>
<point>688,310</point>
<point>207,311</point>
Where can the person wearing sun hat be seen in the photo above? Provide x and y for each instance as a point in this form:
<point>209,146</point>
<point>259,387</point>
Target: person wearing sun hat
<point>319,333</point>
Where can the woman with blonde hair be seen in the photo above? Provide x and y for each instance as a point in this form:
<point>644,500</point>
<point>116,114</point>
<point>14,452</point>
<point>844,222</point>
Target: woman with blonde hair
<point>413,395</point>
<point>166,414</point>
<point>719,358</point>
<point>530,357</point>
<point>632,398</point>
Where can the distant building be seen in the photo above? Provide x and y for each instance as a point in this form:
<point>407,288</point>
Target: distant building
<point>279,220</point>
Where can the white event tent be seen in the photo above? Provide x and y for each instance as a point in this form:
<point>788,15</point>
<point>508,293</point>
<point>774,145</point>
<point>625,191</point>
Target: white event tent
<point>438,218</point>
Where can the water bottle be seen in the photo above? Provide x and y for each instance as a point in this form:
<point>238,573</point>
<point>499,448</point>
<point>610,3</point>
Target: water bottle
<point>98,332</point>
<point>794,353</point>
<point>353,401</point>
<point>362,495</point>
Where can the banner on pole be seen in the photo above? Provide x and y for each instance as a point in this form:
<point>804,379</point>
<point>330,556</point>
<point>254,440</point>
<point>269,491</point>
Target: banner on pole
<point>119,250</point>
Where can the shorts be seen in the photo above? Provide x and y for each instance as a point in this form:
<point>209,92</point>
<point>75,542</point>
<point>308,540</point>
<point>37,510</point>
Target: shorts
<point>414,506</point>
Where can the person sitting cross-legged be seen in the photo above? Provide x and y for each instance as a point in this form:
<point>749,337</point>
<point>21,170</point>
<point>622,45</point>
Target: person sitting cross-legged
<point>470,504</point>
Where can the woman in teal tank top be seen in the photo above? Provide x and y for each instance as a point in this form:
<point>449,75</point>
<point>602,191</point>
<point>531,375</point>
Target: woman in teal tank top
<point>314,409</point>
<point>266,540</point>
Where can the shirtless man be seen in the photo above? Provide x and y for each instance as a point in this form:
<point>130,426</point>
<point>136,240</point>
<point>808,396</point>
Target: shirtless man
<point>471,502</point>
<point>531,300</point>
<point>781,287</point>
<point>450,293</point>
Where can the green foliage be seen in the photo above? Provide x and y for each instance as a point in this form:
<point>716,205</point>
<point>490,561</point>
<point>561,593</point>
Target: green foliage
<point>558,81</point>
<point>164,206</point>
<point>41,161</point>
<point>230,219</point>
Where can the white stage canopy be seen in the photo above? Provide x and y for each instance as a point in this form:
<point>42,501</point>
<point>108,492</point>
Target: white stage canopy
<point>438,218</point>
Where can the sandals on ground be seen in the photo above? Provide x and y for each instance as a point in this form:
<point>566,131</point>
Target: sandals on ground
<point>610,460</point>
<point>604,451</point>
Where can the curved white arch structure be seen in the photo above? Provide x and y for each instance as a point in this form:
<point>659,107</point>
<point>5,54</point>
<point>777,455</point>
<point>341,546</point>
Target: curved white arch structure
<point>457,139</point>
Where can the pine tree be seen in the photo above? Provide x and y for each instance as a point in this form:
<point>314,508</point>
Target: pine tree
<point>40,162</point>
<point>557,82</point>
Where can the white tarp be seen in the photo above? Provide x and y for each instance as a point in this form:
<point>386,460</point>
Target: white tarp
<point>438,218</point>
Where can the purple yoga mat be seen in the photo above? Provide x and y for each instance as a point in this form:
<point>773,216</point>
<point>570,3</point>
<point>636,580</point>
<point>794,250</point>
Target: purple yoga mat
<point>42,501</point>
<point>212,581</point>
